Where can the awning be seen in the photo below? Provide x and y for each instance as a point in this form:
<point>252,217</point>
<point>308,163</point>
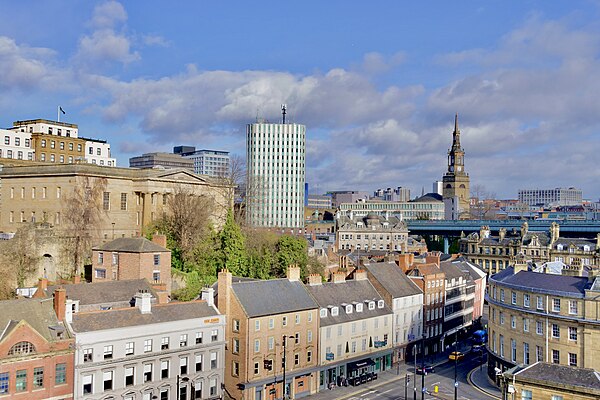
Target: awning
<point>360,364</point>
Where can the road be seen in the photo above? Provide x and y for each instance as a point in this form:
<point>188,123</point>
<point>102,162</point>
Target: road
<point>443,378</point>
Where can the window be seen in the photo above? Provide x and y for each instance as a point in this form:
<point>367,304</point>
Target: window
<point>513,298</point>
<point>539,353</point>
<point>572,359</point>
<point>198,337</point>
<point>556,397</point>
<point>147,372</point>
<point>372,305</point>
<point>198,362</point>
<point>21,348</point>
<point>272,323</point>
<point>79,148</point>
<point>21,382</point>
<point>91,151</point>
<point>129,348</point>
<point>555,356</point>
<point>4,379</point>
<point>183,365</point>
<point>106,201</point>
<point>309,336</point>
<point>296,359</point>
<point>213,386</point>
<point>573,307</point>
<point>164,343</point>
<point>62,145</point>
<point>183,339</point>
<point>555,331</point>
<point>108,352</point>
<point>513,350</point>
<point>214,335</point>
<point>129,376</point>
<point>60,376</point>
<point>43,143</point>
<point>501,346</point>
<point>70,146</point>
<point>88,384</point>
<point>526,394</point>
<point>284,321</point>
<point>52,144</point>
<point>147,345</point>
<point>540,303</point>
<point>88,355</point>
<point>235,326</point>
<point>99,151</point>
<point>38,377</point>
<point>335,311</point>
<point>501,318</point>
<point>257,325</point>
<point>513,322</point>
<point>526,300</point>
<point>539,327</point>
<point>380,304</point>
<point>213,360</point>
<point>525,325</point>
<point>235,344</point>
<point>123,201</point>
<point>525,353</point>
<point>235,368</point>
<point>323,312</point>
<point>573,333</point>
<point>502,295</point>
<point>157,259</point>
<point>556,305</point>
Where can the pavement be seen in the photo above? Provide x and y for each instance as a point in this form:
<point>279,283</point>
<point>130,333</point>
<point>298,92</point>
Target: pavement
<point>476,377</point>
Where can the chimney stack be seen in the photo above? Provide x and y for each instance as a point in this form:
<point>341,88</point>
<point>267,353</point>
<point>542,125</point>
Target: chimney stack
<point>360,275</point>
<point>162,297</point>
<point>142,301</point>
<point>60,303</point>
<point>433,257</point>
<point>339,277</point>
<point>208,295</point>
<point>224,292</point>
<point>293,273</point>
<point>40,293</point>
<point>160,239</point>
<point>314,279</point>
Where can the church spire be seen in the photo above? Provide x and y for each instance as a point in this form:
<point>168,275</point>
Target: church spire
<point>456,134</point>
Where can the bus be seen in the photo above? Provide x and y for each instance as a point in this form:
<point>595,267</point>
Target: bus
<point>479,337</point>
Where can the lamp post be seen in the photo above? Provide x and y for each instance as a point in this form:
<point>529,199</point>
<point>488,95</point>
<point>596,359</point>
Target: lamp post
<point>423,368</point>
<point>455,364</point>
<point>284,363</point>
<point>415,380</point>
<point>113,230</point>
<point>180,379</point>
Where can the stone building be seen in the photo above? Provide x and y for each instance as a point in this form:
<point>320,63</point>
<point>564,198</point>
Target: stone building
<point>133,258</point>
<point>355,329</point>
<point>494,253</point>
<point>537,316</point>
<point>36,349</point>
<point>551,381</point>
<point>269,339</point>
<point>372,232</point>
<point>455,190</point>
<point>150,351</point>
<point>406,300</point>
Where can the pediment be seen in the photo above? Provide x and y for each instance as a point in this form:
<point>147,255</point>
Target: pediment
<point>182,175</point>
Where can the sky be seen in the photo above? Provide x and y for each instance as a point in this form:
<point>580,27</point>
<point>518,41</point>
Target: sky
<point>376,83</point>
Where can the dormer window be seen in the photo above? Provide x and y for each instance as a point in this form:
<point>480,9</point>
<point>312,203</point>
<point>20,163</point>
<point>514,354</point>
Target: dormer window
<point>349,309</point>
<point>586,248</point>
<point>371,305</point>
<point>335,311</point>
<point>359,307</point>
<point>323,312</point>
<point>380,304</point>
<point>460,280</point>
<point>21,348</point>
<point>559,247</point>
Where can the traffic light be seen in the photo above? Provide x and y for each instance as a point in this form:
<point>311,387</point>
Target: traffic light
<point>268,365</point>
<point>408,379</point>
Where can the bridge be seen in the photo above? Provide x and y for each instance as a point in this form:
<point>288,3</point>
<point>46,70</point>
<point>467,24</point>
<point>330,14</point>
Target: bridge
<point>452,228</point>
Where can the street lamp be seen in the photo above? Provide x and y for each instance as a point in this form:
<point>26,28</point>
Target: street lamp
<point>284,363</point>
<point>180,379</point>
<point>455,364</point>
<point>423,368</point>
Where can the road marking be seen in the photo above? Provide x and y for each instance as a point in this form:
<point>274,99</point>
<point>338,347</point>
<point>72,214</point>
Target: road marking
<point>389,390</point>
<point>368,393</point>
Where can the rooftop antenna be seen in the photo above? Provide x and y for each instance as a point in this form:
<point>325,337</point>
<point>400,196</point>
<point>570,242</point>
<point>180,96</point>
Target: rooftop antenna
<point>283,111</point>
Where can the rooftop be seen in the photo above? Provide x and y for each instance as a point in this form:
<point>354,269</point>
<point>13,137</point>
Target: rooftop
<point>132,245</point>
<point>393,280</point>
<point>39,313</point>
<point>104,292</point>
<point>545,283</point>
<point>561,374</point>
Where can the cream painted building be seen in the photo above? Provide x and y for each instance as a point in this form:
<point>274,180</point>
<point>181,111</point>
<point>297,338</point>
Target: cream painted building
<point>355,334</point>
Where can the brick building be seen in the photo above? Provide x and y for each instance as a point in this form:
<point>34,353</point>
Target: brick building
<point>133,258</point>
<point>36,349</point>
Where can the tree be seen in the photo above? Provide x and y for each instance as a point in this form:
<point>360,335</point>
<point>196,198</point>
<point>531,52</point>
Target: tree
<point>83,212</point>
<point>229,184</point>
<point>232,247</point>
<point>484,202</point>
<point>18,260</point>
<point>186,221</point>
<point>291,250</point>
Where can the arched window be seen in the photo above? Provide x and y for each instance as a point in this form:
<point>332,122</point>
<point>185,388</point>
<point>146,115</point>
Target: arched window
<point>21,348</point>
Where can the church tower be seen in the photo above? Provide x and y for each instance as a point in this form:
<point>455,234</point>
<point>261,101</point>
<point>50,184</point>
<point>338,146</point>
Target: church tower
<point>456,180</point>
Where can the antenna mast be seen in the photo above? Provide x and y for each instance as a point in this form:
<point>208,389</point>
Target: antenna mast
<point>283,111</point>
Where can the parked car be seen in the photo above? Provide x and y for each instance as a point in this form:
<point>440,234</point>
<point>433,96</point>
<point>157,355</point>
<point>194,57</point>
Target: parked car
<point>427,369</point>
<point>456,355</point>
<point>478,348</point>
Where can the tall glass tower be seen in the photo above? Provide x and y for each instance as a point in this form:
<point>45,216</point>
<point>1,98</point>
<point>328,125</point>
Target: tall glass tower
<point>276,167</point>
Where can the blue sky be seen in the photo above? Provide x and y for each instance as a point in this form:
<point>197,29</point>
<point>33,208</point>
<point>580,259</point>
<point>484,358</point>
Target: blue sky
<point>376,83</point>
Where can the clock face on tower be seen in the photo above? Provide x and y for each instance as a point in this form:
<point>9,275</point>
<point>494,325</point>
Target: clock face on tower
<point>452,168</point>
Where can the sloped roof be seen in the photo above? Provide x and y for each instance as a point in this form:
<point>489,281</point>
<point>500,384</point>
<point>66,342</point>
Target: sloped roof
<point>347,292</point>
<point>393,280</point>
<point>275,296</point>
<point>429,197</point>
<point>561,374</point>
<point>132,245</point>
<point>126,317</point>
<point>39,313</point>
<point>104,292</point>
<point>452,270</point>
<point>545,283</point>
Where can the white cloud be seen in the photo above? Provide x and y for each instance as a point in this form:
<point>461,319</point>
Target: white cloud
<point>21,66</point>
<point>108,14</point>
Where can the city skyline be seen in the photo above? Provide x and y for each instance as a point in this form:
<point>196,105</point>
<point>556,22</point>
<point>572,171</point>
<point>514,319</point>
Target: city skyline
<point>376,86</point>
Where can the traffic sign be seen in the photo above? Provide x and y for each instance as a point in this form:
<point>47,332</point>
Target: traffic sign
<point>455,384</point>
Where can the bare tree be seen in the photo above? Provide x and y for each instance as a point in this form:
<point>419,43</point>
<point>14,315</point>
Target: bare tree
<point>186,218</point>
<point>18,261</point>
<point>83,212</point>
<point>484,202</point>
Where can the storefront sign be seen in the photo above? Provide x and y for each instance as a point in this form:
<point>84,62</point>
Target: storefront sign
<point>329,356</point>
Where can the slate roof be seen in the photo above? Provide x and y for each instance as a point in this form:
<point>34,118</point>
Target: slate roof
<point>39,313</point>
<point>579,243</point>
<point>429,197</point>
<point>274,296</point>
<point>347,292</point>
<point>393,280</point>
<point>452,271</point>
<point>424,269</point>
<point>543,283</point>
<point>104,292</point>
<point>132,245</point>
<point>543,238</point>
<point>561,374</point>
<point>127,317</point>
<point>473,270</point>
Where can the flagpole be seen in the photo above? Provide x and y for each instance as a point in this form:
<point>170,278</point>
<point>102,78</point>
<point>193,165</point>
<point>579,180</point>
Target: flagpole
<point>58,113</point>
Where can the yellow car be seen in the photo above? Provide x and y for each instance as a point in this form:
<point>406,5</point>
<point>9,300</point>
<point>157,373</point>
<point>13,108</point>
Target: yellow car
<point>456,356</point>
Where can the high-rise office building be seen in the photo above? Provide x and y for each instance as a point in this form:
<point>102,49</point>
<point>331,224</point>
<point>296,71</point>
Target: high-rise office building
<point>276,174</point>
<point>206,162</point>
<point>551,197</point>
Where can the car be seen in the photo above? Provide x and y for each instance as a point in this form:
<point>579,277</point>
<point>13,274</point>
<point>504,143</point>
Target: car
<point>427,368</point>
<point>456,356</point>
<point>478,348</point>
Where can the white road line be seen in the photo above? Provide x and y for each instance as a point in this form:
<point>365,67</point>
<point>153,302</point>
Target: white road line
<point>389,390</point>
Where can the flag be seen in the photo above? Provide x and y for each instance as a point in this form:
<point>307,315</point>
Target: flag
<point>61,110</point>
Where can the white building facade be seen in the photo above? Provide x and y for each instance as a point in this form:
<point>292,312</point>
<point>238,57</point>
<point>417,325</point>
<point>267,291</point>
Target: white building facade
<point>276,174</point>
<point>15,145</point>
<point>554,197</point>
<point>98,152</point>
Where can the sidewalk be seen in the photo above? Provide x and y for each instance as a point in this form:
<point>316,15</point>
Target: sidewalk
<point>478,378</point>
